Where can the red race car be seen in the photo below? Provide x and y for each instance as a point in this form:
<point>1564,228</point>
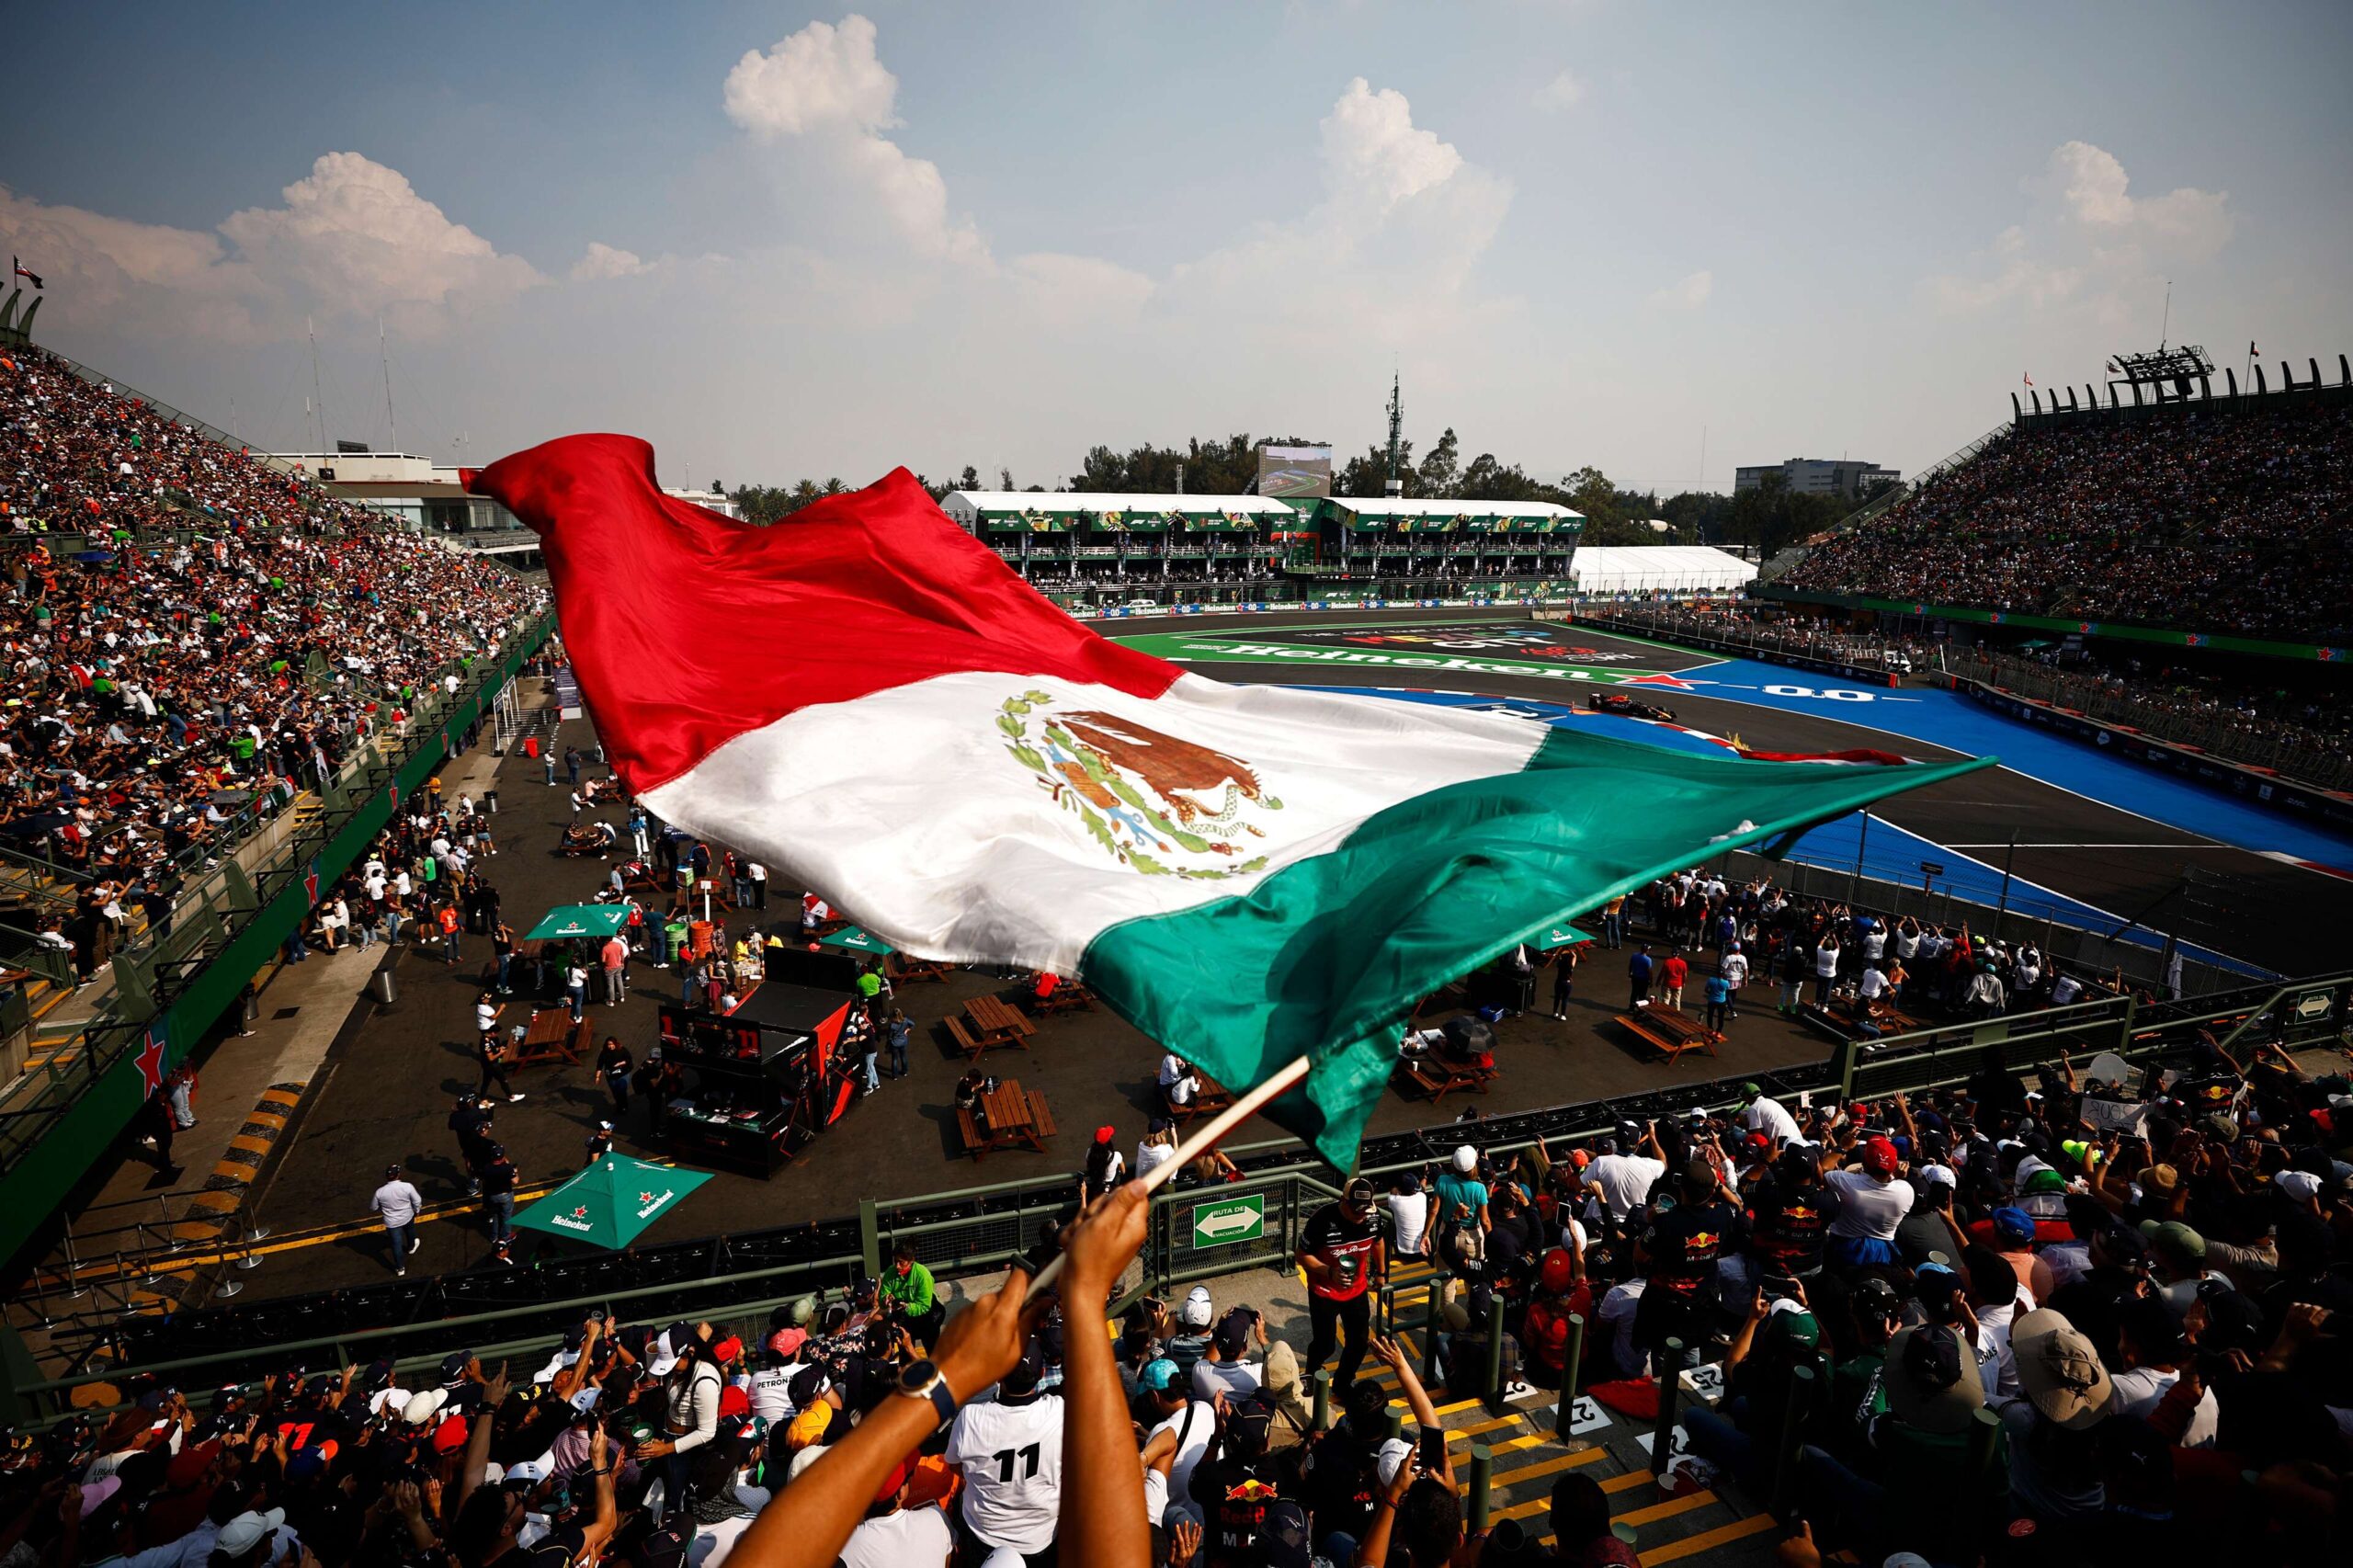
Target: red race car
<point>1625,707</point>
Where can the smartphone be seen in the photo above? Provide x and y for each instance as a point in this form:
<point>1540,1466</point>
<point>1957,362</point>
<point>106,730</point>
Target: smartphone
<point>1433,1450</point>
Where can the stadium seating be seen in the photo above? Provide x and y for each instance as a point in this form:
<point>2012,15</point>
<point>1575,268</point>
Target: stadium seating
<point>193,637</point>
<point>2229,522</point>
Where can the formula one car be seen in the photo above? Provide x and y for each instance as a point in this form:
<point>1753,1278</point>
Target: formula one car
<point>1625,707</point>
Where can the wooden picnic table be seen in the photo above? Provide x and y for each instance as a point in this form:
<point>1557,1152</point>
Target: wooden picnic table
<point>1208,1100</point>
<point>901,966</point>
<point>552,1037</point>
<point>1016,1119</point>
<point>1668,1030</point>
<point>997,1022</point>
<point>1437,1075</point>
<point>1068,996</point>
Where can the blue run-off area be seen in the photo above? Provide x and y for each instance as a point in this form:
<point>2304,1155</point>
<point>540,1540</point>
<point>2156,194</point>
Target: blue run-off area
<point>1947,719</point>
<point>1882,849</point>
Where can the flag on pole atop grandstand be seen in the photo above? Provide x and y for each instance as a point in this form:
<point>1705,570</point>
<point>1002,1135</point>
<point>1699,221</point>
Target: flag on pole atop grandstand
<point>2251,349</point>
<point>867,699</point>
<point>21,271</point>
<point>2027,379</point>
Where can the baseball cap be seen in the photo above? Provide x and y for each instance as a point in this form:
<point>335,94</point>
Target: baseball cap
<point>2301,1186</point>
<point>242,1534</point>
<point>1938,1176</point>
<point>1878,1155</point>
<point>1924,1385</point>
<point>1466,1158</point>
<point>2014,1224</point>
<point>1105,1134</point>
<point>1360,1191</point>
<point>454,1365</point>
<point>893,1481</point>
<point>1395,1452</point>
<point>1160,1374</point>
<point>423,1407</point>
<point>1793,1326</point>
<point>1232,1332</point>
<point>1282,1535</point>
<point>2175,1239</point>
<point>1750,1091</point>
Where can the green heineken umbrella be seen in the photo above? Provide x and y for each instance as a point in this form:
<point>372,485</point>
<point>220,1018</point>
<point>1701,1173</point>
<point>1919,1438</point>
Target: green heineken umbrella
<point>581,920</point>
<point>612,1202</point>
<point>858,940</point>
<point>1563,936</point>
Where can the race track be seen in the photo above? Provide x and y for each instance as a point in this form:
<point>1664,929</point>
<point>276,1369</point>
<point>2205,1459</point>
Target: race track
<point>2098,843</point>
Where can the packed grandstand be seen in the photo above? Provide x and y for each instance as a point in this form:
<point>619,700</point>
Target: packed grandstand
<point>195,637</point>
<point>2211,519</point>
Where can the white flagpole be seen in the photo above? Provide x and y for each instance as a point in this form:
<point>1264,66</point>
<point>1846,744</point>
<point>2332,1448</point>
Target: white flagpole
<point>1199,1143</point>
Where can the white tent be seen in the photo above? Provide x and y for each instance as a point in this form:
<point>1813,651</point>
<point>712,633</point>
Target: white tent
<point>1655,568</point>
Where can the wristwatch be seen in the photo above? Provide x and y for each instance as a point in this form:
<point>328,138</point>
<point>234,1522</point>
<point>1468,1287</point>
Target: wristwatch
<point>921,1380</point>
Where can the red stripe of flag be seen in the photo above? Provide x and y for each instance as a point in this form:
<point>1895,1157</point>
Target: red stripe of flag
<point>687,629</point>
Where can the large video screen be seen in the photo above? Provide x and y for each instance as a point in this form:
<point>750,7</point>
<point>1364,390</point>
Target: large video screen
<point>1295,470</point>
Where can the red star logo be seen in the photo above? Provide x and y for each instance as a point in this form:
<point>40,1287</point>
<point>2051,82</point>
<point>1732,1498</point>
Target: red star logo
<point>645,1197</point>
<point>581,1212</point>
<point>151,1060</point>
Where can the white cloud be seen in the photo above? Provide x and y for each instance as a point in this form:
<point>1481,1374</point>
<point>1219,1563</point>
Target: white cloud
<point>2090,245</point>
<point>356,236</point>
<point>2189,224</point>
<point>825,89</point>
<point>1391,247</point>
<point>352,239</point>
<point>1079,287</point>
<point>2017,276</point>
<point>604,263</point>
<point>821,75</point>
<point>1686,294</point>
<point>1564,91</point>
<point>1373,151</point>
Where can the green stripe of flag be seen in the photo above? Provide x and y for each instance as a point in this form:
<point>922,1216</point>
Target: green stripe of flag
<point>1328,956</point>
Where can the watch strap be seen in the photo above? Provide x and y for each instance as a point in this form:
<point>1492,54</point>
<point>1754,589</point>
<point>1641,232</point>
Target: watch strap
<point>942,1401</point>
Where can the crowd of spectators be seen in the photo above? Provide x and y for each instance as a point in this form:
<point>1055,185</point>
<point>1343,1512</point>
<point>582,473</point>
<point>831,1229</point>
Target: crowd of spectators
<point>2139,1275</point>
<point>221,632</point>
<point>2231,523</point>
<point>1866,974</point>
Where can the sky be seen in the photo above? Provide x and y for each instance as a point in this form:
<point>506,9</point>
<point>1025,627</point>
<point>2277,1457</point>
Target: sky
<point>783,242</point>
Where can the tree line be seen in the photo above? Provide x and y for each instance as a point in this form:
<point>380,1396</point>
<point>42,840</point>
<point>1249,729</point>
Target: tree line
<point>1770,516</point>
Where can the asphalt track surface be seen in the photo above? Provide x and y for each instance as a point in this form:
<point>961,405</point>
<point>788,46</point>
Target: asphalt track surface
<point>392,1073</point>
<point>2072,841</point>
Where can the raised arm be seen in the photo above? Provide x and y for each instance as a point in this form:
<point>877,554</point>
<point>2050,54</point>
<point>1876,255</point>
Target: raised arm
<point>808,1523</point>
<point>1102,1492</point>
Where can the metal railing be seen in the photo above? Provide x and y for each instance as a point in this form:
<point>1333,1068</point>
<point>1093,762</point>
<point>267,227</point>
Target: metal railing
<point>974,1231</point>
<point>213,913</point>
<point>2282,745</point>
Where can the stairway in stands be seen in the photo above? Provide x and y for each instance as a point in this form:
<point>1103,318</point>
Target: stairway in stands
<point>1667,1524</point>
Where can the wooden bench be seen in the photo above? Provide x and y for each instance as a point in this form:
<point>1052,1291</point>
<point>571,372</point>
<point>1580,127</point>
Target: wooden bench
<point>1041,1121</point>
<point>1208,1100</point>
<point>977,1143</point>
<point>903,968</point>
<point>1067,997</point>
<point>1668,1031</point>
<point>965,1041</point>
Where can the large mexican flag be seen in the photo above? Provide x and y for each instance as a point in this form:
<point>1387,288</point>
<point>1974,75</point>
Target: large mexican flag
<point>867,699</point>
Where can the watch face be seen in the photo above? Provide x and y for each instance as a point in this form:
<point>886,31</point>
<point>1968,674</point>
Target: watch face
<point>916,1378</point>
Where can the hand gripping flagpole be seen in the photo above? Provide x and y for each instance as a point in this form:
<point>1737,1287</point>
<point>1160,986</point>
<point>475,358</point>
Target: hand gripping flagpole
<point>1199,1143</point>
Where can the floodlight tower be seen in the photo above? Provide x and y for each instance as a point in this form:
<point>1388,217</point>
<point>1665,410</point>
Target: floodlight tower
<point>1396,485</point>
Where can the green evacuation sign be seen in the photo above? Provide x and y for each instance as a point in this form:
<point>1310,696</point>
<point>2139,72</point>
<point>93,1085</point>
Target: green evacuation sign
<point>1235,1220</point>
